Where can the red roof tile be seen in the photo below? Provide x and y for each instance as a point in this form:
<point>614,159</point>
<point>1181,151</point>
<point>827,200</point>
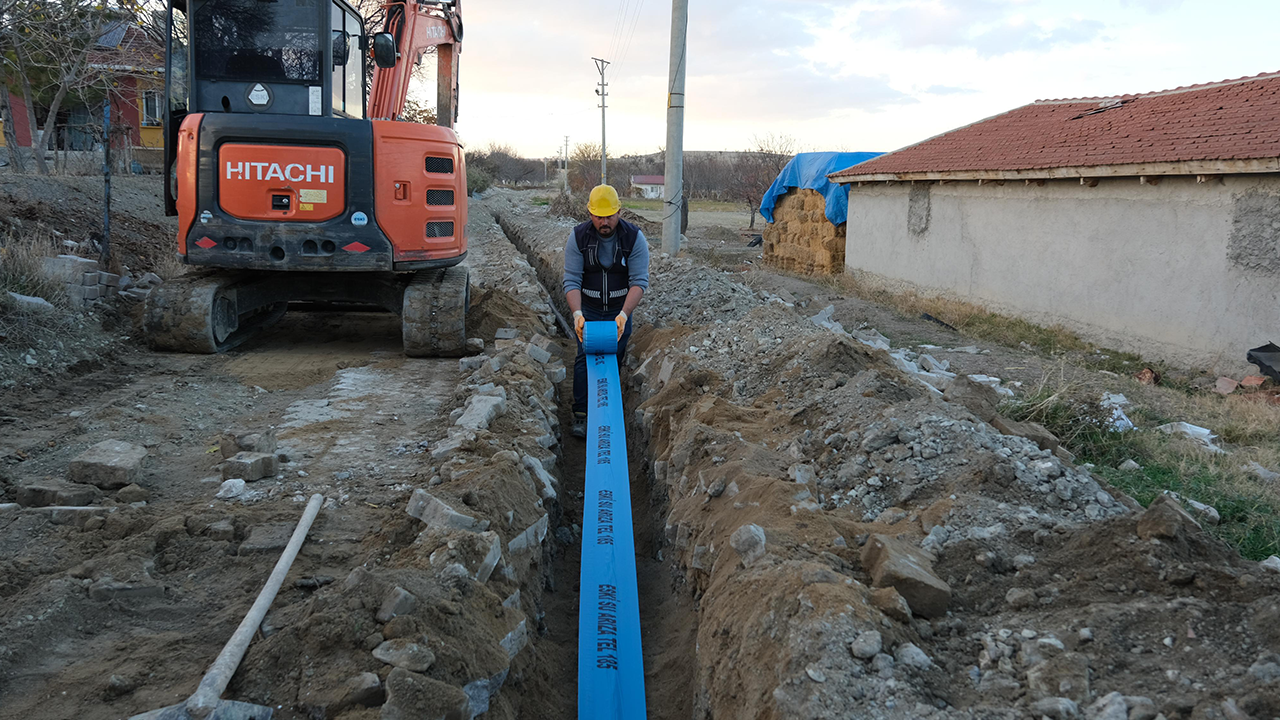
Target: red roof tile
<point>1229,120</point>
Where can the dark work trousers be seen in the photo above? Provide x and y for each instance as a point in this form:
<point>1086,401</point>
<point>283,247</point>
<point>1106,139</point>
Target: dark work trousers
<point>580,362</point>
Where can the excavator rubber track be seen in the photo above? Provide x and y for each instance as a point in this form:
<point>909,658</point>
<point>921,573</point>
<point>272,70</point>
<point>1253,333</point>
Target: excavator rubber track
<point>204,314</point>
<point>433,317</point>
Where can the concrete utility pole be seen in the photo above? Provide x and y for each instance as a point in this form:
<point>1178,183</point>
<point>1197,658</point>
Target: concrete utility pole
<point>674,172</point>
<point>603,92</point>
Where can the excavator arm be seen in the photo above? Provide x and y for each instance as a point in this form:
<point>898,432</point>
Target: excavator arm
<point>416,26</point>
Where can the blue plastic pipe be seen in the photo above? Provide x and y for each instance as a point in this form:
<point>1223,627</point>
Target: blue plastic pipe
<point>610,665</point>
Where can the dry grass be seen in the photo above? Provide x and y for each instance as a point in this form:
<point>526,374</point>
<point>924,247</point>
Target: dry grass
<point>1249,430</point>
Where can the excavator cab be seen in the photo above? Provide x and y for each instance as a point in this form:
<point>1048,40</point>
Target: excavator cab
<point>295,180</point>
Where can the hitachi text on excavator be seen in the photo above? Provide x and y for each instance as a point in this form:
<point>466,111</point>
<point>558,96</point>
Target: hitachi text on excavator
<point>295,178</point>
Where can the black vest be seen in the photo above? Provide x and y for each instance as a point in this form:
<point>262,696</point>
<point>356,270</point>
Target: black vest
<point>605,288</point>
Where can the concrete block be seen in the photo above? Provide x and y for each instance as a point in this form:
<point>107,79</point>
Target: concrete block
<point>27,302</point>
<point>471,364</point>
<point>43,493</point>
<point>149,280</point>
<point>909,570</point>
<point>556,374</point>
<point>437,514</point>
<point>538,353</point>
<point>506,334</point>
<point>404,653</point>
<point>505,344</point>
<point>542,341</point>
<point>110,464</point>
<point>239,440</point>
<point>749,541</point>
<point>68,268</point>
<point>108,279</point>
<point>83,292</point>
<point>89,278</point>
<point>76,516</point>
<point>250,466</point>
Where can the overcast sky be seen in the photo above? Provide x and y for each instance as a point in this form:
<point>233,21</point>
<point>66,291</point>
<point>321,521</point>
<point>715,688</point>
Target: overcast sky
<point>852,75</point>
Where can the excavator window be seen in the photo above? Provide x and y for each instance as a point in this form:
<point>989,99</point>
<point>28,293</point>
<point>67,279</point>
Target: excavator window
<point>348,77</point>
<point>257,40</point>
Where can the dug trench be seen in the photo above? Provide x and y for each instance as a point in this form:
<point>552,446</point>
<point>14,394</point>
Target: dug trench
<point>438,581</point>
<point>837,538</point>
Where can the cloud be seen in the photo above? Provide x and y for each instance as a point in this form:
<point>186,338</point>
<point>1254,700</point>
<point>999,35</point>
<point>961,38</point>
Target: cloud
<point>947,90</point>
<point>987,27</point>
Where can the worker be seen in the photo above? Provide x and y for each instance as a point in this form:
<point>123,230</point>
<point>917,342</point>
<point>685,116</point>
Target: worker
<point>606,272</point>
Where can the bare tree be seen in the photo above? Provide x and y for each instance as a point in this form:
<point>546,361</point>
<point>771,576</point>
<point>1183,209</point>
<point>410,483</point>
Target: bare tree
<point>47,45</point>
<point>584,166</point>
<point>754,171</point>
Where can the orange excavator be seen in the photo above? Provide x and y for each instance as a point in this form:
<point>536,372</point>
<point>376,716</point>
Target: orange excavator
<point>295,181</point>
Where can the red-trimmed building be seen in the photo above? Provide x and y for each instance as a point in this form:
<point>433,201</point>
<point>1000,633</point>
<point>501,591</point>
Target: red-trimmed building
<point>133,63</point>
<point>1147,222</point>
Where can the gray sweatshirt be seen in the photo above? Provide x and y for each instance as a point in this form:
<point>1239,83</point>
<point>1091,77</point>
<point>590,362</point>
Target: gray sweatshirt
<point>637,261</point>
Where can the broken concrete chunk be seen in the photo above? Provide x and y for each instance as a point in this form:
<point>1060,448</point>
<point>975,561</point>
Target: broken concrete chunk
<point>221,530</point>
<point>749,541</point>
<point>437,514</point>
<point>110,464</point>
<point>231,488</point>
<point>411,696</point>
<point>128,494</point>
<point>1056,708</point>
<point>250,466</point>
<point>542,341</point>
<point>397,602</point>
<point>506,334</point>
<point>545,478</point>
<point>515,640</point>
<point>43,493</point>
<point>491,558</point>
<point>908,569</point>
<point>236,441</point>
<point>404,653</point>
<point>481,410</point>
<point>533,535</point>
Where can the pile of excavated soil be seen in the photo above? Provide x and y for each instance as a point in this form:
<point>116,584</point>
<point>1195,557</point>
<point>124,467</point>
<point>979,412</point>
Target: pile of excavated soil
<point>857,545</point>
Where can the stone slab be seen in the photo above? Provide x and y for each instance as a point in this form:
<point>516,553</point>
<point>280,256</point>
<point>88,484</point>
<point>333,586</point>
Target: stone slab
<point>266,538</point>
<point>111,464</point>
<point>250,466</point>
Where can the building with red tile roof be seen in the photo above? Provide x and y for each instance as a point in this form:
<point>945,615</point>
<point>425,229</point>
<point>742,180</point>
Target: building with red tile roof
<point>1147,222</point>
<point>1230,126</point>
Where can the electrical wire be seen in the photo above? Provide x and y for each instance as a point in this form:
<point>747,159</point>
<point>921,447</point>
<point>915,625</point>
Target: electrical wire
<point>626,49</point>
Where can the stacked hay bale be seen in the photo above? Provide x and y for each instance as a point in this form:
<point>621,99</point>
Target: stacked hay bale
<point>801,239</point>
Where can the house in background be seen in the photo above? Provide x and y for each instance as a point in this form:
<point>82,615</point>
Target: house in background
<point>132,67</point>
<point>1149,223</point>
<point>647,186</point>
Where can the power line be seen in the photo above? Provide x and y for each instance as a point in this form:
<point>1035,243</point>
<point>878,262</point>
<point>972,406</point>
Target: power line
<point>626,49</point>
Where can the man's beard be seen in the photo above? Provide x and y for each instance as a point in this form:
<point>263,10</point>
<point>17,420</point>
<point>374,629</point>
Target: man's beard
<point>605,232</point>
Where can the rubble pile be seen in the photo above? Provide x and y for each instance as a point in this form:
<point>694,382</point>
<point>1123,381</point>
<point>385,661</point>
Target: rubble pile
<point>859,544</point>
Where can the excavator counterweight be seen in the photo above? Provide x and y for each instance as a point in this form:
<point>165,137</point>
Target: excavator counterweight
<point>295,178</point>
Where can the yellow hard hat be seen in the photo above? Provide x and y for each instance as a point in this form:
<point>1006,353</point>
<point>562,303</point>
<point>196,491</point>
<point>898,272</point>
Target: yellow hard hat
<point>603,201</point>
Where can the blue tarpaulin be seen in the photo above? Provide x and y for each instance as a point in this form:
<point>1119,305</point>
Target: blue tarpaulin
<point>610,664</point>
<point>810,170</point>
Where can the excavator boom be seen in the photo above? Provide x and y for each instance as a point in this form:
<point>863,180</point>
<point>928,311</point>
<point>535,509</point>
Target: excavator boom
<point>417,26</point>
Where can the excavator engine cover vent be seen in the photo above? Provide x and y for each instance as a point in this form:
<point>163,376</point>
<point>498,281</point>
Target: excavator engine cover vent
<point>439,197</point>
<point>439,229</point>
<point>441,165</point>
